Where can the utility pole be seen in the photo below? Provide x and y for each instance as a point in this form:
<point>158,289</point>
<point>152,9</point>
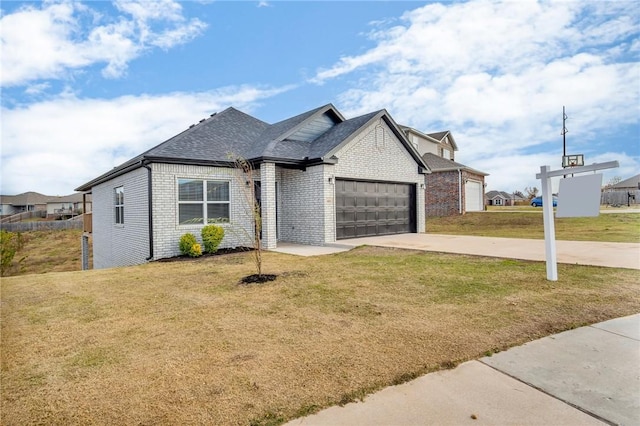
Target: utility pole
<point>564,133</point>
<point>564,138</point>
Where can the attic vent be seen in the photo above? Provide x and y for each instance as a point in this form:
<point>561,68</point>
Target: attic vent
<point>193,125</point>
<point>202,120</point>
<point>212,114</point>
<point>312,130</point>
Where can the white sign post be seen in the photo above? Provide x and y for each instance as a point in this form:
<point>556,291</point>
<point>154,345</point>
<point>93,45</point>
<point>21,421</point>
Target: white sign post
<point>545,176</point>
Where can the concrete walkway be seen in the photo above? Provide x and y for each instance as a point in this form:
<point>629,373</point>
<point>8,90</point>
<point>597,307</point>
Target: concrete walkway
<point>619,255</point>
<point>586,376</point>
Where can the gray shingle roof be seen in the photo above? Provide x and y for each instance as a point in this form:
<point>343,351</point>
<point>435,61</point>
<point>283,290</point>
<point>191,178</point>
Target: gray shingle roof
<point>439,164</point>
<point>438,135</point>
<point>231,133</point>
<point>631,183</point>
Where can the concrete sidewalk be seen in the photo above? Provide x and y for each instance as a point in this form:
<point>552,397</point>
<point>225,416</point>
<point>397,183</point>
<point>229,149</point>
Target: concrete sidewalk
<point>618,255</point>
<point>586,376</point>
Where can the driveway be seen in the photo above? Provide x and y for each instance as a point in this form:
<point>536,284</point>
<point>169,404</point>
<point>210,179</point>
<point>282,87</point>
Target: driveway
<point>618,255</point>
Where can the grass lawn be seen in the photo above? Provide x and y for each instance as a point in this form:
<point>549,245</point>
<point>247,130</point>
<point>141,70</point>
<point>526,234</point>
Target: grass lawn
<point>48,251</point>
<point>183,343</point>
<point>620,228</point>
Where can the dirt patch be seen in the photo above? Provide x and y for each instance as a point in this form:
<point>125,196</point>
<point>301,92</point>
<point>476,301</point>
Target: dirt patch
<point>258,279</point>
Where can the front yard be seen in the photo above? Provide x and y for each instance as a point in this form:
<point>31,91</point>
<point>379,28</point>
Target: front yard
<point>527,223</point>
<point>184,343</point>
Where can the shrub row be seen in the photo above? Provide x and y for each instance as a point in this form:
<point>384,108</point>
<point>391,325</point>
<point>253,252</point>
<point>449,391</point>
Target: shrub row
<point>212,236</point>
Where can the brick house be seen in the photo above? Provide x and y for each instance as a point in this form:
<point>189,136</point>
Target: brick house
<point>501,198</point>
<point>320,178</point>
<point>451,188</point>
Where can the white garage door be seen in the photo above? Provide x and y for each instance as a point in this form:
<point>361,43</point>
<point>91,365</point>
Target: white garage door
<point>473,196</point>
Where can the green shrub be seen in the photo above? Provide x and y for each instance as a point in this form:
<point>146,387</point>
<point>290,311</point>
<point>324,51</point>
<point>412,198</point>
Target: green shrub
<point>212,236</point>
<point>186,243</point>
<point>10,243</point>
<point>196,250</point>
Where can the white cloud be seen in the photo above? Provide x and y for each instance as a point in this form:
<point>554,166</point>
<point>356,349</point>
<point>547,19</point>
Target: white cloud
<point>53,40</point>
<point>497,74</point>
<point>56,145</point>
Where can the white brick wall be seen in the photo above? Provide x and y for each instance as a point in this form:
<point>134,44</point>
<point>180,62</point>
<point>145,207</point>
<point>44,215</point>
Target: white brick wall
<point>127,244</point>
<point>302,215</point>
<point>167,231</point>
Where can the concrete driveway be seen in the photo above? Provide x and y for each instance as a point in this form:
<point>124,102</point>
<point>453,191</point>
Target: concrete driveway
<point>618,255</point>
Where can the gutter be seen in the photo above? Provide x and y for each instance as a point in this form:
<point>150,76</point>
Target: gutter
<point>144,164</point>
<point>460,191</point>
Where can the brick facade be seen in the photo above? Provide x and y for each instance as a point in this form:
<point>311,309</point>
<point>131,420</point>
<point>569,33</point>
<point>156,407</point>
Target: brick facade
<point>445,193</point>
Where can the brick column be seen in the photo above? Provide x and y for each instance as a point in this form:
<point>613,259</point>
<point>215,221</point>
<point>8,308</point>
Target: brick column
<point>268,194</point>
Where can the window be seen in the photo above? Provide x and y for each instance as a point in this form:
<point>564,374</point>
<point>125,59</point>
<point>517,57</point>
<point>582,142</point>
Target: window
<point>202,200</point>
<point>446,153</point>
<point>119,205</point>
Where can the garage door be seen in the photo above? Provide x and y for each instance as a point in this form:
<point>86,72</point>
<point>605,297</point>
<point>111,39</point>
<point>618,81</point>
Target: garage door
<point>366,209</point>
<point>473,196</point>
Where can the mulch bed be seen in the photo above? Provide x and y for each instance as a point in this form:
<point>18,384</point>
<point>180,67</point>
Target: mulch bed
<point>204,256</point>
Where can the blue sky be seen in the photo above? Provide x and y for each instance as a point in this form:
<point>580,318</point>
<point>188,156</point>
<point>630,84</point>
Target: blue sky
<point>88,85</point>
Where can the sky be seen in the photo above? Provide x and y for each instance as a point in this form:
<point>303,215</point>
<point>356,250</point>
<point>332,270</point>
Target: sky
<point>89,85</point>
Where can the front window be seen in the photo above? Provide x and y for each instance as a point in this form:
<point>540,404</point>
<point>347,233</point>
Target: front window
<point>119,205</point>
<point>202,200</point>
<point>446,153</point>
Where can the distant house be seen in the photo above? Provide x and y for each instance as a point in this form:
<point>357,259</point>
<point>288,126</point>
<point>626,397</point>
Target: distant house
<point>50,205</point>
<point>320,178</point>
<point>68,206</point>
<point>451,188</point>
<point>625,192</point>
<point>501,198</point>
<point>25,202</point>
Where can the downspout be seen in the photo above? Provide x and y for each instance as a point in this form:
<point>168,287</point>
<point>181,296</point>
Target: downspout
<point>150,205</point>
<point>460,191</point>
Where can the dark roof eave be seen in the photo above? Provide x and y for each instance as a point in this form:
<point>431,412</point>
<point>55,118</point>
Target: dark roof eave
<point>115,172</point>
<point>460,168</point>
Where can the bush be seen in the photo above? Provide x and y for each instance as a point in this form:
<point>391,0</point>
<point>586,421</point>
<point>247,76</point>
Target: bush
<point>212,236</point>
<point>10,243</point>
<point>187,242</point>
<point>196,250</point>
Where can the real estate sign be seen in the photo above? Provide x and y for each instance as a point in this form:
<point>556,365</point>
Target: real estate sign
<point>579,196</point>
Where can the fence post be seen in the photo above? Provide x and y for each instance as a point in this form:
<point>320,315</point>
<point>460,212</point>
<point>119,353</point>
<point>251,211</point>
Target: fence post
<point>85,252</point>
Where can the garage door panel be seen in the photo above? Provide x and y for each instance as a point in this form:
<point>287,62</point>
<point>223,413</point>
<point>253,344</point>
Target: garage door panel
<point>373,208</point>
<point>473,196</point>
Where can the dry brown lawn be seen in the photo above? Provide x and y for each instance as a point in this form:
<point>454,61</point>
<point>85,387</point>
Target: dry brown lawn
<point>48,251</point>
<point>184,343</point>
<point>618,228</point>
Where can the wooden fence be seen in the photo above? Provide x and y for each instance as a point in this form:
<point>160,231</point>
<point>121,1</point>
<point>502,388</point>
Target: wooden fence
<point>42,226</point>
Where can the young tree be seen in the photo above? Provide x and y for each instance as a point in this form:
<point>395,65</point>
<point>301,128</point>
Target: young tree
<point>248,185</point>
<point>532,192</point>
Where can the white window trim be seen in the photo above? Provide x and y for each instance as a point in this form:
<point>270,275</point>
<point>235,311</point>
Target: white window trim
<point>117,206</point>
<point>204,202</point>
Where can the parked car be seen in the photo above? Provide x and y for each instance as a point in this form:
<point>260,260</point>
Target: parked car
<point>537,202</point>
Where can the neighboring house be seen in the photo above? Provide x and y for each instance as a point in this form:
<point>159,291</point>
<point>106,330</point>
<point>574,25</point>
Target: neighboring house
<point>452,188</point>
<point>501,198</point>
<point>67,206</point>
<point>321,178</point>
<point>25,202</point>
<point>624,192</point>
